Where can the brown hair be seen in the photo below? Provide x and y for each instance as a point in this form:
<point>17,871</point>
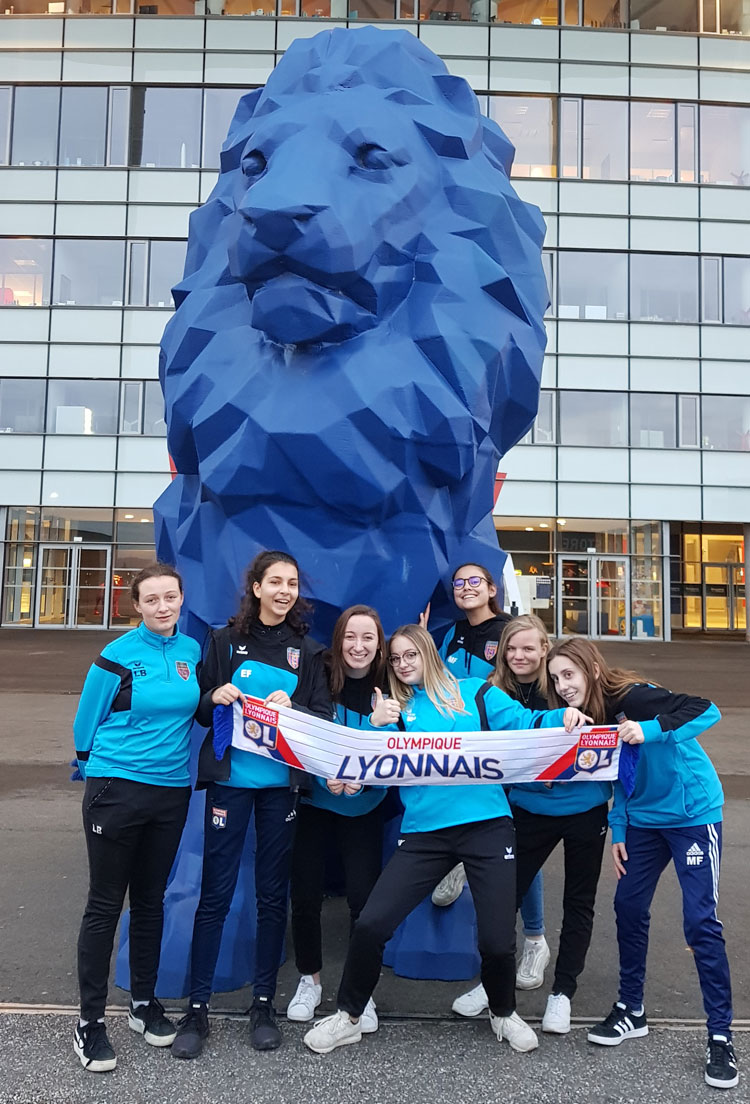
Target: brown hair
<point>502,676</point>
<point>602,681</point>
<point>153,571</point>
<point>334,659</point>
<point>249,611</point>
<point>441,687</point>
<point>492,602</point>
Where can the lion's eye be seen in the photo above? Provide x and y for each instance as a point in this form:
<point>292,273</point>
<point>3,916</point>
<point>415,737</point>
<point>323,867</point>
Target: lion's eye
<point>370,156</point>
<point>253,163</point>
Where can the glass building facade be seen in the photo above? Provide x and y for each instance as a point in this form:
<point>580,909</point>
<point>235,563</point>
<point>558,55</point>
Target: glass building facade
<point>626,506</point>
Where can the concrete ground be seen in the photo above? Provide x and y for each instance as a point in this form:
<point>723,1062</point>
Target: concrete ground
<point>422,1052</point>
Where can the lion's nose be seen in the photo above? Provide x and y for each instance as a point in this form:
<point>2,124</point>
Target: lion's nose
<point>278,228</point>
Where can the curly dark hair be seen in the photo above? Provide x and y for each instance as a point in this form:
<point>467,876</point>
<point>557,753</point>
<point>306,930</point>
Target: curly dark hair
<point>298,617</point>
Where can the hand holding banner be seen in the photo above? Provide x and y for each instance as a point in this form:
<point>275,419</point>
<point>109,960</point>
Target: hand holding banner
<point>388,757</point>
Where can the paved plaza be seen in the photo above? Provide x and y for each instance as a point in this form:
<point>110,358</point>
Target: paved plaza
<point>422,1052</point>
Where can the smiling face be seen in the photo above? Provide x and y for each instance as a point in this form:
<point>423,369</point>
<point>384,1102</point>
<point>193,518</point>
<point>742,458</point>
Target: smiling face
<point>524,654</point>
<point>569,681</point>
<point>360,644</point>
<point>326,211</point>
<point>473,596</point>
<point>277,592</point>
<point>406,661</point>
<point>159,603</point>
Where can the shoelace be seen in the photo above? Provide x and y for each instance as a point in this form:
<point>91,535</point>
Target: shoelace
<point>717,1050</point>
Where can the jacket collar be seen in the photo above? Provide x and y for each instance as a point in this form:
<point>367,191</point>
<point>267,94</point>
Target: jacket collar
<point>156,640</point>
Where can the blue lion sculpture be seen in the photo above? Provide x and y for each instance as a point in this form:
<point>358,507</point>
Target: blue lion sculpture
<point>358,337</point>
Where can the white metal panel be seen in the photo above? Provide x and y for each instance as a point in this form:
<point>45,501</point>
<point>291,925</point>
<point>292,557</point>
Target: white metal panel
<point>77,488</point>
<point>605,465</point>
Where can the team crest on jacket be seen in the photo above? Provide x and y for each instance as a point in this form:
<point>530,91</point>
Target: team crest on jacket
<point>292,658</point>
<point>182,669</point>
<point>490,650</point>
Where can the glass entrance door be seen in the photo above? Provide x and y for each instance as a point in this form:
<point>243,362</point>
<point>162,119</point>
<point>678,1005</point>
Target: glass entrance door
<point>593,596</point>
<point>72,586</point>
<point>724,596</point>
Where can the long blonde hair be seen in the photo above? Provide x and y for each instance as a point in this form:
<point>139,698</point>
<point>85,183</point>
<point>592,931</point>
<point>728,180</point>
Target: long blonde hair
<point>439,684</point>
<point>502,676</point>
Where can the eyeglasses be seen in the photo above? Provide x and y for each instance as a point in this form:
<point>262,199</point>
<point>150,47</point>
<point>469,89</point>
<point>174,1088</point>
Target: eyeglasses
<point>473,581</point>
<point>407,657</point>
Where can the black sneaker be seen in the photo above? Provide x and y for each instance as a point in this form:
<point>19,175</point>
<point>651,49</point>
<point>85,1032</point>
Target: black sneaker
<point>150,1022</point>
<point>721,1063</point>
<point>264,1034</point>
<point>94,1048</point>
<point>192,1031</point>
<point>622,1023</point>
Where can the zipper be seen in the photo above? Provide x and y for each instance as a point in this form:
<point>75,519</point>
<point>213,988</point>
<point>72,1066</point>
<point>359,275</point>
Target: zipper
<point>166,661</point>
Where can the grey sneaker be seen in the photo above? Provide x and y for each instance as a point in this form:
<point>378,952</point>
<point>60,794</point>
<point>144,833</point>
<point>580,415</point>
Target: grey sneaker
<point>334,1031</point>
<point>530,974</point>
<point>449,890</point>
<point>518,1033</point>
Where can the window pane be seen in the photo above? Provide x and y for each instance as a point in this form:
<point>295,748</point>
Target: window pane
<point>83,126</point>
<point>652,152</point>
<point>219,105</point>
<point>548,275</point>
<point>737,290</point>
<point>711,276</point>
<point>726,422</point>
<point>544,426</point>
<point>137,273</point>
<point>689,435</point>
<point>35,114</point>
<point>20,573</point>
<point>686,143</point>
<point>570,138</point>
<point>82,406</point>
<point>593,418</point>
<point>165,127</point>
<point>604,13</point>
<point>154,424</point>
<point>165,270</point>
<point>663,287</point>
<point>89,273</point>
<point>22,406</point>
<point>136,526</point>
<point>94,526</point>
<point>119,122</point>
<point>674,15</point>
<point>725,145</point>
<point>653,420</point>
<point>592,285</point>
<point>130,406</point>
<point>529,122</point>
<point>605,140</point>
<point>25,265</point>
<point>4,125</point>
<point>733,17</point>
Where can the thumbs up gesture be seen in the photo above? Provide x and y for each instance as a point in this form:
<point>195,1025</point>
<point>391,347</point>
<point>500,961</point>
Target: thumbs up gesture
<point>386,711</point>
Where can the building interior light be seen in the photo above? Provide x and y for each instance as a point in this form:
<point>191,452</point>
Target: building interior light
<point>562,521</point>
<point>27,561</point>
<point>146,520</point>
<point>129,517</point>
<point>544,525</point>
<point>529,528</point>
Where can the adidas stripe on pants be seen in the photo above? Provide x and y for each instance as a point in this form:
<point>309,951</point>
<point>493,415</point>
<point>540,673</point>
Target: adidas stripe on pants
<point>696,853</point>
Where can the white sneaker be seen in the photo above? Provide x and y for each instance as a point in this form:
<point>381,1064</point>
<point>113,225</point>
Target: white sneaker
<point>557,1014</point>
<point>472,1003</point>
<point>304,1002</point>
<point>334,1031</point>
<point>369,1018</point>
<point>535,957</point>
<point>449,890</point>
<point>515,1030</point>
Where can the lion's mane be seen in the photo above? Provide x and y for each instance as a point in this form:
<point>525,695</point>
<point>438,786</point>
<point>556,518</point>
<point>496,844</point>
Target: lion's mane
<point>358,334</point>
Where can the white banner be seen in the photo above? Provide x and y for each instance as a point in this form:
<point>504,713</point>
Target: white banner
<point>386,757</point>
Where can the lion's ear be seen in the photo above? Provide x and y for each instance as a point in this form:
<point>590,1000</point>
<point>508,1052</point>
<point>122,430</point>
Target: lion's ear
<point>458,94</point>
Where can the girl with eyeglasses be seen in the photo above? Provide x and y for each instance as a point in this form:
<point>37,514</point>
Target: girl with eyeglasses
<point>346,815</point>
<point>442,825</point>
<point>471,648</point>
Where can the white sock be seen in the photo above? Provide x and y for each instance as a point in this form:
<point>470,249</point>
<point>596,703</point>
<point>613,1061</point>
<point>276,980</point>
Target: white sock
<point>638,1011</point>
<point>85,1023</point>
<point>140,1004</point>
